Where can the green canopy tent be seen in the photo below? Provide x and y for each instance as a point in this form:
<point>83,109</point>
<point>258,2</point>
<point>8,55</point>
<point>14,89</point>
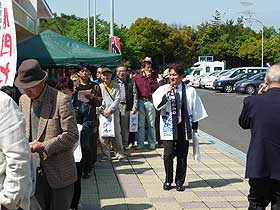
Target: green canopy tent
<point>53,50</point>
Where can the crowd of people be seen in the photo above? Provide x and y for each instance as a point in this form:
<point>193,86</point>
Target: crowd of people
<point>50,140</point>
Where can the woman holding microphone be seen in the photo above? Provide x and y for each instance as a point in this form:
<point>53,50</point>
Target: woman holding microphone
<point>179,107</point>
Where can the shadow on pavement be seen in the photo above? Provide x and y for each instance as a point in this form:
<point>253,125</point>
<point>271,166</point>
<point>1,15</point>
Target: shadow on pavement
<point>214,183</point>
<point>117,206</point>
<point>134,171</point>
<point>126,162</point>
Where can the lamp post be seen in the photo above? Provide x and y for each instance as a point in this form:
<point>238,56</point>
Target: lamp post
<point>112,19</point>
<point>88,29</point>
<point>94,25</point>
<point>250,18</point>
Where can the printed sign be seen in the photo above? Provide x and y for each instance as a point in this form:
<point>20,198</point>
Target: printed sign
<point>115,45</point>
<point>8,45</point>
<point>133,122</point>
<point>107,128</point>
<point>166,127</point>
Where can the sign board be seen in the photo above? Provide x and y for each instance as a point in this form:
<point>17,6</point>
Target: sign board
<point>8,45</point>
<point>205,58</point>
<point>115,45</point>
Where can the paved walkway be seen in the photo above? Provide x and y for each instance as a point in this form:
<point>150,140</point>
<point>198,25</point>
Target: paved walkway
<point>217,182</point>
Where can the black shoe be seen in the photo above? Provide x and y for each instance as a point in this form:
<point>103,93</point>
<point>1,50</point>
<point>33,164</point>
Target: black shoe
<point>167,186</point>
<point>86,176</point>
<point>180,187</point>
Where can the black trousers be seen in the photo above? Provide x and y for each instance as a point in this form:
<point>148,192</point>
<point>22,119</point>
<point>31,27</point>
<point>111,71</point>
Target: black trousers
<point>93,146</point>
<point>86,146</point>
<point>177,149</point>
<point>52,199</point>
<point>157,127</point>
<point>77,188</point>
<point>262,192</point>
<point>131,138</point>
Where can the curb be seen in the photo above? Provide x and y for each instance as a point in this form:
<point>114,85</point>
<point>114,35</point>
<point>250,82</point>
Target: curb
<point>223,146</point>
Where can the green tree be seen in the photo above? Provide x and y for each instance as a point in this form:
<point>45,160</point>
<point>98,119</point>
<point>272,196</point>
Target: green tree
<point>148,37</point>
<point>76,28</point>
<point>277,58</point>
<point>225,40</point>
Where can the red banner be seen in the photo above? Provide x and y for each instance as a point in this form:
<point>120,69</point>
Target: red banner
<point>115,45</point>
<point>8,45</point>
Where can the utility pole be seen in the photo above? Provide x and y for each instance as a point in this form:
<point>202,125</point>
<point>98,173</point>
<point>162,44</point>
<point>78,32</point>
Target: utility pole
<point>88,30</point>
<point>112,19</point>
<point>94,25</point>
<point>250,18</point>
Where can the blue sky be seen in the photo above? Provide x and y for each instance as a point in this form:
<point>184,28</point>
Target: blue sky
<point>181,12</point>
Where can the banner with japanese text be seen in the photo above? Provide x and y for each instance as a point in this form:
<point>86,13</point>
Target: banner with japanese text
<point>8,44</point>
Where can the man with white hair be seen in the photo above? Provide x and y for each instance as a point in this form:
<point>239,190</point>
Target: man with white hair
<point>261,114</point>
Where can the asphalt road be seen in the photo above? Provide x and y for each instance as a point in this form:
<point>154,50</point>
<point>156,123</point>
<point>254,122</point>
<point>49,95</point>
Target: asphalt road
<point>223,111</point>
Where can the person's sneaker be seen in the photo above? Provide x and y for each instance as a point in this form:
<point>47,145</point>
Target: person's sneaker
<point>86,176</point>
<point>152,147</point>
<point>139,147</point>
<point>131,146</point>
<point>160,145</point>
<point>121,157</point>
<point>103,159</point>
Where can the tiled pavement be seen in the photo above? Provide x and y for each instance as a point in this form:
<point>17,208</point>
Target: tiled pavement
<point>216,182</point>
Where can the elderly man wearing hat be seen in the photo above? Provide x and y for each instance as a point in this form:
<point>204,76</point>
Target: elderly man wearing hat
<point>51,129</point>
<point>110,107</point>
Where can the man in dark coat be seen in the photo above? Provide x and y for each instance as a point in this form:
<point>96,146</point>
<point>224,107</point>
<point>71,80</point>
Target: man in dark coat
<point>261,114</point>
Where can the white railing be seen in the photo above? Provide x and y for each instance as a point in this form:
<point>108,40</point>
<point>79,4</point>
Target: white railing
<point>24,19</point>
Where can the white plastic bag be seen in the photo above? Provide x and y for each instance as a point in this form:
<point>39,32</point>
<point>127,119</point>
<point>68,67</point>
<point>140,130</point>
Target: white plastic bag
<point>133,122</point>
<point>107,127</point>
<point>196,151</point>
<point>77,148</point>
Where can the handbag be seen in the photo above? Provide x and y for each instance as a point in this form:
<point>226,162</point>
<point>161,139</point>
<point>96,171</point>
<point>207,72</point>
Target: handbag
<point>107,126</point>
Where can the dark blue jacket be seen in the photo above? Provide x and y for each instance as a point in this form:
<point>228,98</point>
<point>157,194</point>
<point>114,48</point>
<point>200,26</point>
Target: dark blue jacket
<point>261,114</point>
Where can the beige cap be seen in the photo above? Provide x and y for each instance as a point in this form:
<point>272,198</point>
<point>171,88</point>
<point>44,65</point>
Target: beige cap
<point>166,73</point>
<point>105,69</point>
<point>148,59</point>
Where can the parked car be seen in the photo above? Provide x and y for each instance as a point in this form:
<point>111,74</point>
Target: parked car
<point>207,77</point>
<point>196,81</point>
<point>208,82</point>
<point>251,85</point>
<point>226,85</point>
<point>234,72</point>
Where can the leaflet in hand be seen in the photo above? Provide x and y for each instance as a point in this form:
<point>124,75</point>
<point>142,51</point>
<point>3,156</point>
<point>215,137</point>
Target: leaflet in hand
<point>82,95</point>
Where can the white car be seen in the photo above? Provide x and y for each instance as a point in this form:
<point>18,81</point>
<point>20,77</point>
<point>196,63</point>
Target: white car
<point>208,83</point>
<point>205,79</point>
<point>197,80</point>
